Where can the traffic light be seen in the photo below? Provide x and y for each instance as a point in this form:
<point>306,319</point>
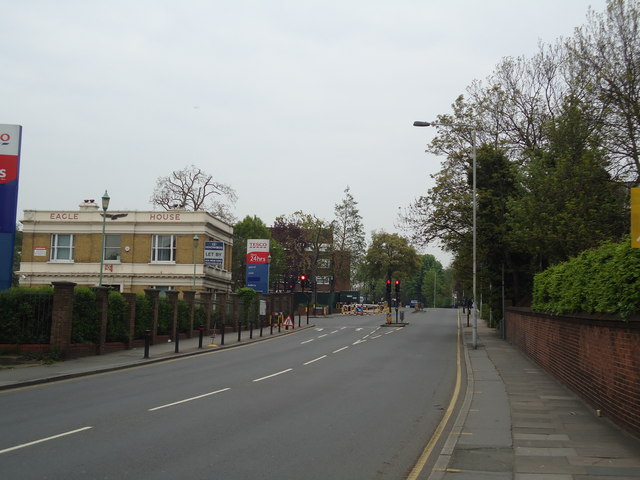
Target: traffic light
<point>303,281</point>
<point>388,286</point>
<point>397,287</point>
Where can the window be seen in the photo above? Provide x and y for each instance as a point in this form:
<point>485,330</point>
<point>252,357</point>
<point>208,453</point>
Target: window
<point>163,248</point>
<point>61,247</point>
<point>112,248</point>
<point>324,263</point>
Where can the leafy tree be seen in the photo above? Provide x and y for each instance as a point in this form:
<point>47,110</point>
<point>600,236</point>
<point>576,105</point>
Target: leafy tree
<point>348,235</point>
<point>569,201</point>
<point>193,189</point>
<point>305,240</point>
<point>390,257</point>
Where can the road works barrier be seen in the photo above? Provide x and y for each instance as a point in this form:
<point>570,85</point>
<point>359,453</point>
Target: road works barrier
<point>362,309</point>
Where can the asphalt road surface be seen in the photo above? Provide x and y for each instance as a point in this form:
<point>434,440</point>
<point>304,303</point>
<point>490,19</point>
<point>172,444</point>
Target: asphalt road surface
<point>344,400</point>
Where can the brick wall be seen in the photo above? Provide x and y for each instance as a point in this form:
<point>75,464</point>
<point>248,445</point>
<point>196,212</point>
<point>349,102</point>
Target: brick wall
<point>599,359</point>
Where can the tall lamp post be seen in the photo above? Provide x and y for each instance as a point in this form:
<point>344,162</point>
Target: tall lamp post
<point>105,206</point>
<point>195,249</point>
<point>473,150</point>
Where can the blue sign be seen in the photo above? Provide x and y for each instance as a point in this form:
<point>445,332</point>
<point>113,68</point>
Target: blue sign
<point>214,253</point>
<point>10,137</point>
<point>258,277</point>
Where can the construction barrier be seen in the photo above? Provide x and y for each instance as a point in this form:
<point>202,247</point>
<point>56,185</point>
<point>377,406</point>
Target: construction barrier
<point>362,309</point>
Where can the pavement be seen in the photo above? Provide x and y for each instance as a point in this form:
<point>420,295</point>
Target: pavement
<point>518,422</point>
<point>515,422</point>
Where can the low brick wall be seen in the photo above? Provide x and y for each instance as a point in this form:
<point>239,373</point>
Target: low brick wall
<point>598,358</point>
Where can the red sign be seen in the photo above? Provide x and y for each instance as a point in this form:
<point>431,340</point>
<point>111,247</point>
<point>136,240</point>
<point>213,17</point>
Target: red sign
<point>257,258</point>
<point>8,168</point>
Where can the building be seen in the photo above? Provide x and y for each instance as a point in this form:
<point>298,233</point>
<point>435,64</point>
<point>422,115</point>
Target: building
<point>143,249</point>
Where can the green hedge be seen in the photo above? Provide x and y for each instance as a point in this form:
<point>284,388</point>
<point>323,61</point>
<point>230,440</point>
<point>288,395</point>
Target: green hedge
<point>602,280</point>
<point>26,316</point>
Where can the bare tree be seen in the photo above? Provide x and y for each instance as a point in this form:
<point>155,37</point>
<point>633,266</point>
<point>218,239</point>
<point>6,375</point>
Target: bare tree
<point>606,57</point>
<point>193,189</point>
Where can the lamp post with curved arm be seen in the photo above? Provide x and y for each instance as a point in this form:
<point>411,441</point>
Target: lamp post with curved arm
<point>473,150</point>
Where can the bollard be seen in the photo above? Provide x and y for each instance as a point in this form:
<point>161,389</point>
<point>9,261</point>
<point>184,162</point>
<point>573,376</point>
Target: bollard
<point>250,330</point>
<point>147,340</point>
<point>177,341</point>
<point>222,333</point>
<point>261,325</point>
<point>271,327</point>
<point>239,331</point>
<point>201,328</point>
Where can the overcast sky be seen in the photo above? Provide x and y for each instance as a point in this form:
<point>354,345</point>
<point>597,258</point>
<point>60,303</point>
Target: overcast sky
<point>286,101</point>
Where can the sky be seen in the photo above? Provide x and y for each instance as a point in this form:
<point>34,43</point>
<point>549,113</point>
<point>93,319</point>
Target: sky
<point>287,101</point>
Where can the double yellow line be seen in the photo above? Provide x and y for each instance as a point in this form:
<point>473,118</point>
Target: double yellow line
<point>428,450</point>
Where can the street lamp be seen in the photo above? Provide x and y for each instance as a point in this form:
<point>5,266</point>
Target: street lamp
<point>105,206</point>
<point>473,150</point>
<point>195,248</point>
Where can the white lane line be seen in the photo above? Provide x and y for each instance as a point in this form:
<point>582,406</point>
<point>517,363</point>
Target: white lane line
<point>315,360</point>
<point>377,336</point>
<point>340,349</point>
<point>358,341</point>
<point>273,375</point>
<point>35,442</point>
<point>188,400</point>
<point>306,341</point>
<point>323,335</point>
<point>390,331</point>
<point>335,331</point>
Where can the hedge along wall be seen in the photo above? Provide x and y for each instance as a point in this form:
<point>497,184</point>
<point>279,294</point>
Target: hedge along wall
<point>601,280</point>
<point>599,359</point>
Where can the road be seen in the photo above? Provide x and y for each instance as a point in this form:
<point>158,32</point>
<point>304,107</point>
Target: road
<point>344,400</point>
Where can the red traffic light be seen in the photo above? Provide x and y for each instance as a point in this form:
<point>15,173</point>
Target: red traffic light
<point>397,283</point>
<point>303,277</point>
<point>388,282</point>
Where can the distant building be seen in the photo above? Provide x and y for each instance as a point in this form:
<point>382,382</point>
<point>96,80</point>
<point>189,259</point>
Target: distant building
<point>143,249</point>
<point>311,253</point>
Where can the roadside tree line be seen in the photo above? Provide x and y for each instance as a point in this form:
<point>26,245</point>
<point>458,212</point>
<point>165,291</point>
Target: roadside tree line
<point>558,140</point>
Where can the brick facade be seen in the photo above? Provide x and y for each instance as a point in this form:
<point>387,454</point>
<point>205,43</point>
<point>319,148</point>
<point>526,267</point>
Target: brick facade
<point>597,358</point>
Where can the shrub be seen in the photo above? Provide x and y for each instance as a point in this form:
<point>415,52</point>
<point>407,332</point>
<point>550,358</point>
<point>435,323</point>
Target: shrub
<point>602,280</point>
<point>86,325</point>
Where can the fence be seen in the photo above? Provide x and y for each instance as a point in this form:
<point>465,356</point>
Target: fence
<point>72,328</point>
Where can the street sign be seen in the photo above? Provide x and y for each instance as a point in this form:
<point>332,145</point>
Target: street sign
<point>214,253</point>
<point>10,141</point>
<point>258,265</point>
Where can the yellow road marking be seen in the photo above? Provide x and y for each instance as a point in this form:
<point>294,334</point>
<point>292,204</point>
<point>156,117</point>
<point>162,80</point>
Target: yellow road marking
<point>426,453</point>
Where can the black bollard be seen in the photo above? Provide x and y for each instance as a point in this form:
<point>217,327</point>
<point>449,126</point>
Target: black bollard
<point>239,331</point>
<point>222,334</point>
<point>261,325</point>
<point>147,341</point>
<point>250,330</point>
<point>177,341</point>
<point>201,328</point>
